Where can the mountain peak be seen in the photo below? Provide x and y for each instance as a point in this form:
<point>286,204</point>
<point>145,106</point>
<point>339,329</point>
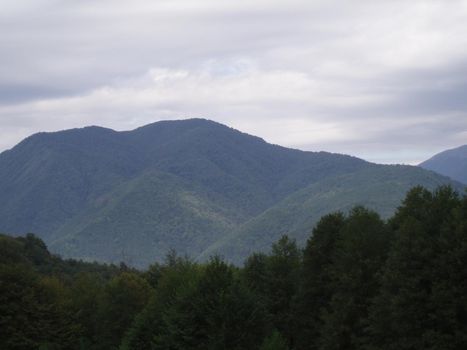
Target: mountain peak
<point>452,163</point>
<point>182,123</point>
<point>95,193</point>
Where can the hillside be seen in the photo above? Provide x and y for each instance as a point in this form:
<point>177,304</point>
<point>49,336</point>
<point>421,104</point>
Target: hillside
<point>190,185</point>
<point>381,188</point>
<point>452,163</point>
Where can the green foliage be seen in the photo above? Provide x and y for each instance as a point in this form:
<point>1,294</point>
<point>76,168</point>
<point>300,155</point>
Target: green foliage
<point>49,303</point>
<point>274,279</point>
<point>422,299</point>
<point>283,266</point>
<point>452,163</point>
<point>342,260</point>
<point>360,254</point>
<point>360,283</point>
<point>195,186</point>
<point>274,342</point>
<point>34,311</point>
<point>175,277</point>
<point>316,280</point>
<point>31,250</point>
<point>380,188</point>
<point>214,312</point>
<point>86,291</point>
<point>122,299</point>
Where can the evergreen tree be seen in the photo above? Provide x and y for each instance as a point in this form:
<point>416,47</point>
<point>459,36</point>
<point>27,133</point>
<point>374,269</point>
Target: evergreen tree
<point>284,267</point>
<point>360,283</point>
<point>449,295</point>
<point>412,310</point>
<point>215,312</point>
<point>177,276</point>
<point>360,254</point>
<point>316,284</point>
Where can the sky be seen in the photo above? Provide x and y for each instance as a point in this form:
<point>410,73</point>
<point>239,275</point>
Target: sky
<point>382,80</point>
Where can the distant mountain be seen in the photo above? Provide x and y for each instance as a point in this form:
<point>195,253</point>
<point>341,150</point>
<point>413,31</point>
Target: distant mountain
<point>452,163</point>
<point>380,188</point>
<point>194,185</point>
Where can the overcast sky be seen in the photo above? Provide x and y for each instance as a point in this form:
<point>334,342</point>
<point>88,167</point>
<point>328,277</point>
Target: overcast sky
<point>382,80</point>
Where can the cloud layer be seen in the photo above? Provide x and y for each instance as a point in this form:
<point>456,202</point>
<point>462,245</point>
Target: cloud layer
<point>384,80</point>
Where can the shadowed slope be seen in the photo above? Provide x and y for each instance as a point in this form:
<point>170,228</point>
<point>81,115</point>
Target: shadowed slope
<point>189,185</point>
<point>452,163</point>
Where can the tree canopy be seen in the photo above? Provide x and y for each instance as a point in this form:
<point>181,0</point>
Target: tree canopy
<point>359,283</point>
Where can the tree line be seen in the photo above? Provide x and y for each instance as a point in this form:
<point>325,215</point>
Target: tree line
<point>359,283</point>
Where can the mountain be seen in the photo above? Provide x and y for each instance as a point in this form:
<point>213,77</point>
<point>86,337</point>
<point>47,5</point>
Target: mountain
<point>452,163</point>
<point>381,188</point>
<point>194,185</point>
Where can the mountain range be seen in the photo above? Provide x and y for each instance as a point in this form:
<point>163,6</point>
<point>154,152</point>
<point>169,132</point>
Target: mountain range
<point>452,163</point>
<point>195,186</point>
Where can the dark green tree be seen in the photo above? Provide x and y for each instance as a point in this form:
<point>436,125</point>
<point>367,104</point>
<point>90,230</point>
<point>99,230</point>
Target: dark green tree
<point>274,342</point>
<point>316,280</point>
<point>361,251</point>
<point>215,312</point>
<point>34,311</point>
<point>284,267</point>
<point>414,309</point>
<point>174,278</point>
<point>122,299</point>
<point>86,292</point>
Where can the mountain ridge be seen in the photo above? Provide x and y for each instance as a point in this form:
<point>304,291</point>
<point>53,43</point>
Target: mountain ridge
<point>451,163</point>
<point>189,185</point>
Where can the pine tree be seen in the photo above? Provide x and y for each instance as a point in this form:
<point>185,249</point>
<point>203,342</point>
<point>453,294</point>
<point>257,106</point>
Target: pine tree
<point>360,254</point>
<point>177,277</point>
<point>316,285</point>
<point>412,310</point>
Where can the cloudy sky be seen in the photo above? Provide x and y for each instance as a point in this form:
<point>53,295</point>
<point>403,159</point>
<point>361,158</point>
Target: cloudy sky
<point>383,80</point>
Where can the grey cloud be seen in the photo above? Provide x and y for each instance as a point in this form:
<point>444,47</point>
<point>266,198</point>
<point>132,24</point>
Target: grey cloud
<point>348,77</point>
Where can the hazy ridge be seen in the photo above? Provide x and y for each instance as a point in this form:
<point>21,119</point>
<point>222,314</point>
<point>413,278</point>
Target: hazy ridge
<point>194,185</point>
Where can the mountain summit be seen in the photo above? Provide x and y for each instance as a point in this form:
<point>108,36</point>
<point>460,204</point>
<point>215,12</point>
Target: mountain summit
<point>452,163</point>
<point>194,185</point>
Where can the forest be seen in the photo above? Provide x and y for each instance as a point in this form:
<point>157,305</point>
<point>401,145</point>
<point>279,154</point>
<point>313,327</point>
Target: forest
<point>360,282</point>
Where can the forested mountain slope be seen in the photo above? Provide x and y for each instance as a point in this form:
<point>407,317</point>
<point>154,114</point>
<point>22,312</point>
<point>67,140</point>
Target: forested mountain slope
<point>360,282</point>
<point>189,185</point>
<point>380,188</point>
<point>452,163</point>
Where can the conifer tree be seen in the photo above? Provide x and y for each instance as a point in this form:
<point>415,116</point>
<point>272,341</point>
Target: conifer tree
<point>360,254</point>
<point>316,285</point>
<point>414,309</point>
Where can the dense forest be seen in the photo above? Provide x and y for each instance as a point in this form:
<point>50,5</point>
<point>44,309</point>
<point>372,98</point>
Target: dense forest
<point>360,282</point>
<point>196,186</point>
